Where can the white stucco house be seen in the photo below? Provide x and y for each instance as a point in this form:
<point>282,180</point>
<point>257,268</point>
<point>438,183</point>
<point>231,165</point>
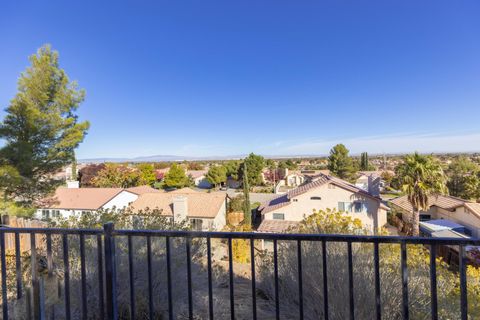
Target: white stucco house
<point>204,211</point>
<point>325,192</point>
<point>463,212</point>
<point>76,201</point>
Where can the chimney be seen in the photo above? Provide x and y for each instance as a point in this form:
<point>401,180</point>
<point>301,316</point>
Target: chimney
<point>374,185</point>
<point>180,208</point>
<point>73,184</point>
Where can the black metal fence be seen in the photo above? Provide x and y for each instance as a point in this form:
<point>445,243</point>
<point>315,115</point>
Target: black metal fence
<point>106,264</point>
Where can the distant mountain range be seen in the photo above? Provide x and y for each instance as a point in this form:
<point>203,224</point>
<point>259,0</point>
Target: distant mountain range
<point>171,158</point>
<point>163,158</point>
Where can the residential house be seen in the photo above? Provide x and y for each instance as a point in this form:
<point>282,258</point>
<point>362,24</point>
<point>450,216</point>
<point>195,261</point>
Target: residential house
<point>463,212</point>
<point>325,192</point>
<point>75,201</point>
<point>290,180</point>
<point>199,178</point>
<point>205,211</point>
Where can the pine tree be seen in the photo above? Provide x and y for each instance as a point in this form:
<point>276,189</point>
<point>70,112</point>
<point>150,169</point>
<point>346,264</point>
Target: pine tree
<point>176,177</point>
<point>339,162</point>
<point>247,211</point>
<point>41,128</point>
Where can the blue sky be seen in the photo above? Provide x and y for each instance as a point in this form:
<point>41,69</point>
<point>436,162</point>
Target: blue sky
<point>201,78</point>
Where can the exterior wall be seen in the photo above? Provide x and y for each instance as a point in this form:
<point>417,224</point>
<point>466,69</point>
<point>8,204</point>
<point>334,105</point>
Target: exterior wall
<point>121,200</point>
<point>461,216</point>
<point>217,223</point>
<point>221,219</point>
<point>371,216</point>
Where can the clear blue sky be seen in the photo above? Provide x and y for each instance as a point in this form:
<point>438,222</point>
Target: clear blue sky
<point>203,78</point>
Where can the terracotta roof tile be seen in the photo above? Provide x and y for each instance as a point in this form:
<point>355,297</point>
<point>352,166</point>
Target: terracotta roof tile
<point>441,201</point>
<point>142,189</point>
<point>276,225</point>
<point>200,204</point>
<point>81,198</point>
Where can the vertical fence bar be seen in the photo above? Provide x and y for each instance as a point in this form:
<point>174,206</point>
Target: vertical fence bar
<point>131,275</point>
<point>149,272</point>
<point>4,276</point>
<point>325,279</point>
<point>403,261</point>
<point>463,282</point>
<point>433,281</point>
<point>49,254</point>
<point>275,269</point>
<point>100,277</point>
<point>41,298</point>
<point>376,257</point>
<point>110,272</point>
<point>189,277</point>
<point>83,276</point>
<point>300,278</point>
<point>254,290</point>
<point>35,287</point>
<point>350,281</point>
<point>230,273</point>
<point>18,265</point>
<point>209,273</point>
<point>66,266</point>
<point>169,278</point>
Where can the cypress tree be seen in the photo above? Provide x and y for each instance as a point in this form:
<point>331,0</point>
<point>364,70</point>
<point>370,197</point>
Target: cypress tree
<point>364,161</point>
<point>247,211</point>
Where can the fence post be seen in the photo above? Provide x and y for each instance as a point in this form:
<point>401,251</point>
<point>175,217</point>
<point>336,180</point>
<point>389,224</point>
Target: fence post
<point>110,271</point>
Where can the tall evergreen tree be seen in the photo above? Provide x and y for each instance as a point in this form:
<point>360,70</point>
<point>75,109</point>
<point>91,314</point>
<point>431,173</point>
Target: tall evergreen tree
<point>41,128</point>
<point>217,175</point>
<point>176,177</point>
<point>255,164</point>
<point>339,162</point>
<point>364,165</point>
<point>247,210</point>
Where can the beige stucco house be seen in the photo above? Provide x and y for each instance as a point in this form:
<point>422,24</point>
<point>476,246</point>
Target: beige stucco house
<point>325,192</point>
<point>461,211</point>
<point>204,211</point>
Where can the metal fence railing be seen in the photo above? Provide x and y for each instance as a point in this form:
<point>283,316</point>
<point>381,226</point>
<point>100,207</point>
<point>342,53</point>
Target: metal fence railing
<point>107,279</point>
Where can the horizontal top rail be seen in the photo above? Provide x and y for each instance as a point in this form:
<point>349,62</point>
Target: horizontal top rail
<point>51,231</point>
<point>252,235</point>
<point>298,236</point>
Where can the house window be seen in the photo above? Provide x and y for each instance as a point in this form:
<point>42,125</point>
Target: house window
<point>345,206</point>
<point>46,214</point>
<point>425,217</point>
<point>196,224</point>
<point>315,198</point>
<point>279,216</point>
<point>55,213</point>
<point>358,207</point>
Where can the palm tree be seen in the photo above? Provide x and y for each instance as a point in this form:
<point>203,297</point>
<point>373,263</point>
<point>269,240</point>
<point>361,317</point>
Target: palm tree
<point>420,177</point>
